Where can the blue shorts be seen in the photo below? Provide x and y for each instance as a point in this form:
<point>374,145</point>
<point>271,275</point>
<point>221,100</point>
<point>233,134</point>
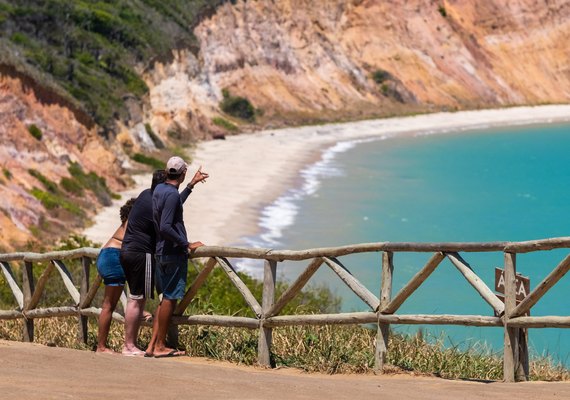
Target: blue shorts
<point>109,267</point>
<point>171,271</point>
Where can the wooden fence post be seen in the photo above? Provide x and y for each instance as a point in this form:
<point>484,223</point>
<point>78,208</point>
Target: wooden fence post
<point>515,367</point>
<point>82,328</point>
<point>523,371</point>
<point>383,333</point>
<point>266,333</point>
<point>28,291</point>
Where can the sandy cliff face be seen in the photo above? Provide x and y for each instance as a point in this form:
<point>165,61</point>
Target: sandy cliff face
<point>182,100</point>
<point>304,58</point>
<point>63,140</point>
<point>297,61</point>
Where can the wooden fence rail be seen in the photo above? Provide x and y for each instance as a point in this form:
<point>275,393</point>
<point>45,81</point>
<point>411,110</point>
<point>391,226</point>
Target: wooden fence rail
<point>509,315</point>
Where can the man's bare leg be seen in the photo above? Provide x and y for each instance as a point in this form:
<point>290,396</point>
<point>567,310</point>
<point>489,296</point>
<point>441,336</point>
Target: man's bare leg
<point>152,343</point>
<point>133,315</point>
<point>165,312</point>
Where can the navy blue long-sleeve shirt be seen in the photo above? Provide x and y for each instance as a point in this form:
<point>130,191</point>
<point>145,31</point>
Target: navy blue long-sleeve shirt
<point>171,237</point>
<point>140,235</point>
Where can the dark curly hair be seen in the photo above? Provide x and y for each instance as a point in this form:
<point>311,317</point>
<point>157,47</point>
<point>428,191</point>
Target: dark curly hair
<point>126,210</point>
<point>158,177</point>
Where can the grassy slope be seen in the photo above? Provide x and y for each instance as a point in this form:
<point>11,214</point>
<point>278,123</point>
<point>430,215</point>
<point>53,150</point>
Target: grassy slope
<point>91,49</point>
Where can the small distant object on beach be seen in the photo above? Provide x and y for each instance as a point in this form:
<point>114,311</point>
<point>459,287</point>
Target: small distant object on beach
<point>219,136</point>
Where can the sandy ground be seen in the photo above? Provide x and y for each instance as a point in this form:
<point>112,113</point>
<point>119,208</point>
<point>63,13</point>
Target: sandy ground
<point>31,371</point>
<point>250,171</point>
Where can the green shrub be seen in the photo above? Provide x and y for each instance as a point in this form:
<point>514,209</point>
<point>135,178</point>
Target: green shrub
<point>6,8</point>
<point>35,132</point>
<point>71,186</point>
<point>48,200</point>
<point>91,181</point>
<point>52,201</point>
<point>379,76</point>
<point>224,123</point>
<point>392,92</point>
<point>153,162</point>
<point>7,174</point>
<point>49,185</point>
<point>442,11</point>
<point>134,84</point>
<point>85,58</point>
<point>21,39</point>
<point>238,107</point>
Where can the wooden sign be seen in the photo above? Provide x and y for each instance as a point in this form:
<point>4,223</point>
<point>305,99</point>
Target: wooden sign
<point>522,284</point>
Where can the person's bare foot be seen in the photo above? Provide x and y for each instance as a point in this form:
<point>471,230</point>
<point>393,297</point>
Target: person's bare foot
<point>166,352</point>
<point>149,352</point>
<point>132,352</point>
<point>105,350</point>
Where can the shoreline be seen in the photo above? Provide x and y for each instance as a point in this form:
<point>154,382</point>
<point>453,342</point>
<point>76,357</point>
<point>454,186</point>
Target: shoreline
<point>249,172</point>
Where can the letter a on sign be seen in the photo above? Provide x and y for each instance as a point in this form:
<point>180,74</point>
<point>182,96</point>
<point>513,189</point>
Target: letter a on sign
<point>521,292</point>
<point>501,282</point>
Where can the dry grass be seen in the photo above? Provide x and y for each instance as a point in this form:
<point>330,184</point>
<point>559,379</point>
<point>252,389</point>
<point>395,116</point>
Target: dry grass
<point>326,349</point>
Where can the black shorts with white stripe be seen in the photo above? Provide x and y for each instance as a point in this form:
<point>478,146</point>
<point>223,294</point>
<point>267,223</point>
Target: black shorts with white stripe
<point>139,270</point>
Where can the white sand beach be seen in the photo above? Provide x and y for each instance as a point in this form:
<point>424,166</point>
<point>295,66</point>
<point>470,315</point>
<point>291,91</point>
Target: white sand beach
<point>250,171</point>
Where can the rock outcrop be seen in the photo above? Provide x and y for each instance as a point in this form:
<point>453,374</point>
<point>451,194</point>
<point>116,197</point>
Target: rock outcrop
<point>300,60</point>
<point>296,61</point>
<point>61,141</point>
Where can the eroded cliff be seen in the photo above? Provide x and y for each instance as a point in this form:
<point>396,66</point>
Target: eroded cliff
<point>49,162</point>
<point>299,60</point>
<point>296,61</point>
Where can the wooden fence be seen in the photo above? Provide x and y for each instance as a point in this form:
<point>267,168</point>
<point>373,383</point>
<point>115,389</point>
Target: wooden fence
<point>383,309</point>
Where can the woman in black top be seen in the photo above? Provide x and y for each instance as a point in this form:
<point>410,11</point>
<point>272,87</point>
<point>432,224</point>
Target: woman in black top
<point>137,258</point>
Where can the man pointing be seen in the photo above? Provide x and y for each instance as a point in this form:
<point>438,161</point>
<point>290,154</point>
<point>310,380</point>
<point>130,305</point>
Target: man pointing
<point>172,248</point>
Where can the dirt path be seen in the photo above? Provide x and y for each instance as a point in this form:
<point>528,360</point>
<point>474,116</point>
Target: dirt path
<point>29,371</point>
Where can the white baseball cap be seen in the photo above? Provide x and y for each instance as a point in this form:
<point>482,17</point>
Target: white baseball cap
<point>176,166</point>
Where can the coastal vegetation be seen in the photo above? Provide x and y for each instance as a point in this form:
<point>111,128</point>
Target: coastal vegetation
<point>93,51</point>
<point>380,76</point>
<point>53,201</point>
<point>92,182</point>
<point>71,186</point>
<point>149,160</point>
<point>237,106</point>
<point>225,124</point>
<point>65,202</point>
<point>53,198</point>
<point>35,132</point>
<point>49,185</point>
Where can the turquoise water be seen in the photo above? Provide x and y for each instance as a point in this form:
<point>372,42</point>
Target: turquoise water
<point>500,185</point>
